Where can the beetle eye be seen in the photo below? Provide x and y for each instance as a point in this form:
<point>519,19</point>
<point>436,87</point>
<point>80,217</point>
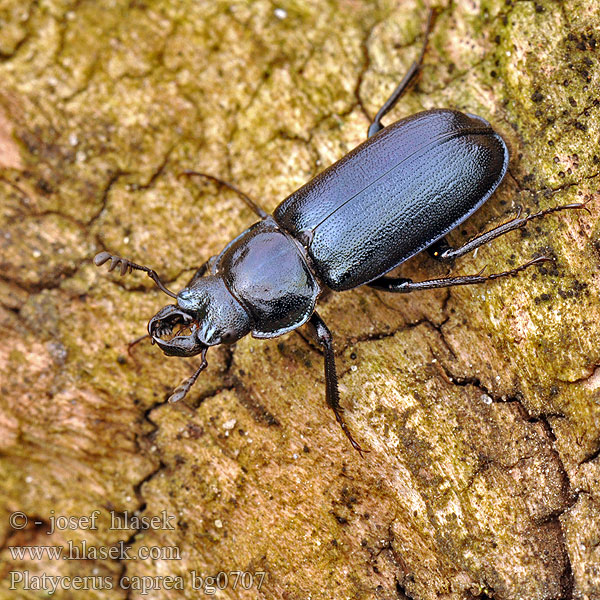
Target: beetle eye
<point>228,337</point>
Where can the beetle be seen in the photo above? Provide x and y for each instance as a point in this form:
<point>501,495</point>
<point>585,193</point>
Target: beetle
<point>396,194</point>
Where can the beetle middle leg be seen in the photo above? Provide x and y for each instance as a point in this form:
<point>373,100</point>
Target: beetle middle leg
<point>441,250</point>
<point>401,88</point>
<point>323,337</point>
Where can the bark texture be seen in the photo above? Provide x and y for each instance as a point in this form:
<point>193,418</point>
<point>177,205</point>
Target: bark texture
<point>480,405</point>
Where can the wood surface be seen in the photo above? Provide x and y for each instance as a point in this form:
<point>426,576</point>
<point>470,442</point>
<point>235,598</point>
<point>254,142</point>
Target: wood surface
<point>480,405</point>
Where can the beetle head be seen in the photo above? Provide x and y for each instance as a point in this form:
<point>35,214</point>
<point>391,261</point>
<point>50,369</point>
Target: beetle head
<point>206,315</point>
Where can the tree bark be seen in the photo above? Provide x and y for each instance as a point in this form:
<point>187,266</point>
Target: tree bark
<point>480,405</point>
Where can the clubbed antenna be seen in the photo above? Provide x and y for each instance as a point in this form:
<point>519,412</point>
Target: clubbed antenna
<point>127,266</point>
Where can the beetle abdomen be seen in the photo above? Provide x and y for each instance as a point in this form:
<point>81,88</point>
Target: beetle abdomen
<point>395,194</point>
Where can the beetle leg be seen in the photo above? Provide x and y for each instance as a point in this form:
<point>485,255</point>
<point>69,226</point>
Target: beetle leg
<point>441,250</point>
<point>438,248</point>
<point>323,337</point>
<point>200,271</point>
<point>263,214</point>
<point>403,85</point>
<point>404,286</point>
<point>185,386</point>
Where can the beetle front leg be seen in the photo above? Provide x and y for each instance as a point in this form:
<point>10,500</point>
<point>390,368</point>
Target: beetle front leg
<point>323,337</point>
<point>201,271</point>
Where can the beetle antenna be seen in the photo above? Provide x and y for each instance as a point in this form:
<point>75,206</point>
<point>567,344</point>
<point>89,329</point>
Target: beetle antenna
<point>128,266</point>
<point>184,387</point>
<point>135,343</point>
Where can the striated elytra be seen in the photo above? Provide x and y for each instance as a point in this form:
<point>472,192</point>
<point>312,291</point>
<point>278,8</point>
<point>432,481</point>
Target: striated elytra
<point>395,194</point>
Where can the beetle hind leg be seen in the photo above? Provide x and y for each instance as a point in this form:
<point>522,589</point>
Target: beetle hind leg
<point>400,285</point>
<point>323,337</point>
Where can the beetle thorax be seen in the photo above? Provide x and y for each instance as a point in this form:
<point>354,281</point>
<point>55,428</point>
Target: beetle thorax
<point>267,271</point>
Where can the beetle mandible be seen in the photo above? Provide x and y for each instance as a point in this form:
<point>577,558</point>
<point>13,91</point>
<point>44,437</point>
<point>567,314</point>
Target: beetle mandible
<point>398,193</point>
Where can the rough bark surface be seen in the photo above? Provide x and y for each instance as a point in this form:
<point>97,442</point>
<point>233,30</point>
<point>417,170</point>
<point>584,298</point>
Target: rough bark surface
<point>480,405</point>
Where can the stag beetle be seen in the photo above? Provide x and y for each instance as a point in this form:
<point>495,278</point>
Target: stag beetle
<point>396,194</point>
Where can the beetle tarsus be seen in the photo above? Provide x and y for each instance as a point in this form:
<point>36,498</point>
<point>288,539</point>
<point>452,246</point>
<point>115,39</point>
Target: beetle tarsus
<point>401,88</point>
<point>404,286</point>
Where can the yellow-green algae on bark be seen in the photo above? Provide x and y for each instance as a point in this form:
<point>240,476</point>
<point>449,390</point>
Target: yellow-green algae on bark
<point>481,406</point>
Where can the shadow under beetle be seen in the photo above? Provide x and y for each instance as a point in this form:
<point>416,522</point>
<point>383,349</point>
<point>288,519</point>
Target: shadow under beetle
<point>399,192</point>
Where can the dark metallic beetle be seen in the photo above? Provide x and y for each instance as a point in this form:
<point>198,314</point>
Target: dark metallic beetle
<point>398,193</point>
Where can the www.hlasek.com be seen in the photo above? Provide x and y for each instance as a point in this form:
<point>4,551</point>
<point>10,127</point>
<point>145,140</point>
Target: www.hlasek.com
<point>82,551</point>
<point>208,585</point>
